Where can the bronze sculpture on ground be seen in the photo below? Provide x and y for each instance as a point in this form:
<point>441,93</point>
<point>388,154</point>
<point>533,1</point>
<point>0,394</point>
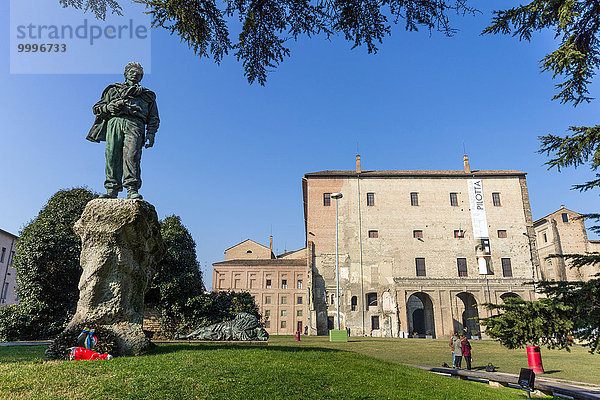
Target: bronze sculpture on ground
<point>126,118</point>
<point>245,327</point>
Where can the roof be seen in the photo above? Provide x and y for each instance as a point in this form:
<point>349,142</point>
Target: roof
<point>8,233</point>
<point>430,173</point>
<point>265,262</point>
<point>562,209</point>
<point>247,240</point>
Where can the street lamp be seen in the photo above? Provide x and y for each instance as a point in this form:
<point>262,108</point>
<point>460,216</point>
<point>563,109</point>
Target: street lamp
<point>337,196</point>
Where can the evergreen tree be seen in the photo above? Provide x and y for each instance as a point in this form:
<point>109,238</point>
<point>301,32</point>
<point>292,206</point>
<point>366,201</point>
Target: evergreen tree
<point>48,270</point>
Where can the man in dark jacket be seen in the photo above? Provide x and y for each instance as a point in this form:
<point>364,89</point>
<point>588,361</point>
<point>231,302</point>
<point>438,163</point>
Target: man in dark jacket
<point>126,118</point>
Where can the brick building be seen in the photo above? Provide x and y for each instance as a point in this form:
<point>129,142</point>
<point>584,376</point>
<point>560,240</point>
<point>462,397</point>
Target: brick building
<point>563,232</point>
<point>418,250</point>
<point>278,284</point>
<point>8,275</point>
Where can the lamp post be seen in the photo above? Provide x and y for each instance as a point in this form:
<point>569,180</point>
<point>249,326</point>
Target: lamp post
<point>337,196</point>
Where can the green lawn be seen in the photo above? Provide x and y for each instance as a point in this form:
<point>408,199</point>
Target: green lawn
<point>282,370</point>
<point>577,365</point>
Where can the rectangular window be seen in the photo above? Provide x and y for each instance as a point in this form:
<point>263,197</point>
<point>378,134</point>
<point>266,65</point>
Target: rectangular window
<point>565,217</point>
<point>506,268</point>
<point>5,291</point>
<point>284,283</point>
<point>299,284</point>
<point>221,283</point>
<point>298,313</point>
<point>237,284</point>
<point>252,283</point>
<point>371,299</point>
<point>420,263</point>
<point>283,300</point>
<point>268,284</point>
<point>283,324</point>
<point>326,199</point>
<point>299,300</point>
<point>454,199</point>
<point>462,266</point>
<point>414,199</point>
<point>370,199</point>
<point>267,299</point>
<point>11,257</point>
<point>502,234</point>
<point>284,313</point>
<point>267,324</point>
<point>375,322</point>
<point>267,313</point>
<point>496,199</point>
<point>373,234</point>
<point>545,238</point>
<point>459,233</point>
<point>2,256</point>
<point>418,234</point>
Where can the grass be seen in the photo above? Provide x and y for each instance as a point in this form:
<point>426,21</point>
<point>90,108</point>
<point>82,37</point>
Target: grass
<point>284,369</point>
<point>577,365</point>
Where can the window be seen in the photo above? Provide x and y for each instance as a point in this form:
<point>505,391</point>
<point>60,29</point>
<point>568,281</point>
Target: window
<point>299,284</point>
<point>237,283</point>
<point>249,252</point>
<point>283,324</point>
<point>462,266</point>
<point>252,283</point>
<point>268,284</point>
<point>298,313</point>
<point>267,324</point>
<point>506,268</point>
<point>299,300</point>
<point>267,299</point>
<point>414,199</point>
<point>370,199</point>
<point>332,299</point>
<point>545,238</point>
<point>284,313</point>
<point>371,299</point>
<point>496,199</point>
<point>326,199</point>
<point>418,234</point>
<point>373,234</point>
<point>374,322</point>
<point>221,283</point>
<point>565,217</point>
<point>283,299</point>
<point>5,291</point>
<point>284,283</point>
<point>459,233</point>
<point>267,313</point>
<point>2,256</point>
<point>420,262</point>
<point>354,303</point>
<point>454,199</point>
<point>502,234</point>
<point>10,258</point>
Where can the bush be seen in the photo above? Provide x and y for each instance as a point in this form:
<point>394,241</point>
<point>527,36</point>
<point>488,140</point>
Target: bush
<point>15,324</point>
<point>59,349</point>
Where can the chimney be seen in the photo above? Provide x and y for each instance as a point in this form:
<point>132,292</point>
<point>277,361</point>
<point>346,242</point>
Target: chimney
<point>358,170</point>
<point>466,162</point>
<point>271,243</point>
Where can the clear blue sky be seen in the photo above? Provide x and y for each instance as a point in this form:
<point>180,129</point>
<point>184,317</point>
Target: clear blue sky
<point>229,157</point>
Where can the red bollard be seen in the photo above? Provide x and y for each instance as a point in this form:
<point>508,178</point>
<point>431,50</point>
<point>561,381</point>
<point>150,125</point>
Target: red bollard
<point>534,358</point>
<point>297,336</point>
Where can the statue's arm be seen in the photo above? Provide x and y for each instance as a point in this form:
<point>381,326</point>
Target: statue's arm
<point>153,120</point>
<point>100,109</point>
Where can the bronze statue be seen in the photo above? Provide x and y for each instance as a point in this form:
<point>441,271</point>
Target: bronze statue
<point>126,118</point>
<point>245,327</point>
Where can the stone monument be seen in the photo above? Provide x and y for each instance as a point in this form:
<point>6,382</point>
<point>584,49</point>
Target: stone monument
<point>244,327</point>
<point>121,244</point>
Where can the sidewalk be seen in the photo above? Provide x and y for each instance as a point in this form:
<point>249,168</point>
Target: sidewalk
<point>27,343</point>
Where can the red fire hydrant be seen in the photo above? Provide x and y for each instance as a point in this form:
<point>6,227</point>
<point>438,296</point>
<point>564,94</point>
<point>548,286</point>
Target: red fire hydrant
<point>534,358</point>
<point>297,336</point>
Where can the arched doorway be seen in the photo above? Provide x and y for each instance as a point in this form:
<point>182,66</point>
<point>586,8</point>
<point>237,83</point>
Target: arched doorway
<point>465,319</point>
<point>419,308</point>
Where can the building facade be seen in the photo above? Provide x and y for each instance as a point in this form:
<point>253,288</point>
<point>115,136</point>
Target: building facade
<point>563,232</point>
<point>278,284</point>
<point>418,250</point>
<point>8,274</point>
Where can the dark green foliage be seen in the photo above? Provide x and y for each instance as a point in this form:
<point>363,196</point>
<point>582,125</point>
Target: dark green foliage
<point>204,25</point>
<point>59,349</point>
<point>576,23</point>
<point>178,277</point>
<point>48,270</point>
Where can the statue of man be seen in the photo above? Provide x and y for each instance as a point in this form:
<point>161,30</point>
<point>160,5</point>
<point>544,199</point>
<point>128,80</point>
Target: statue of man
<point>126,118</point>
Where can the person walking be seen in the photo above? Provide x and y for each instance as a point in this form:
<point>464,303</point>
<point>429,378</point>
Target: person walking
<point>451,344</point>
<point>457,351</point>
<point>466,351</point>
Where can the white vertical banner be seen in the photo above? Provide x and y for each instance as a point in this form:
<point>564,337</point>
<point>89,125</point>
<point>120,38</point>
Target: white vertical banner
<point>478,218</point>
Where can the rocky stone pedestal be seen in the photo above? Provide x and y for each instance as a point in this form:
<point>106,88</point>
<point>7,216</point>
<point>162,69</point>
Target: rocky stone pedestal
<point>121,245</point>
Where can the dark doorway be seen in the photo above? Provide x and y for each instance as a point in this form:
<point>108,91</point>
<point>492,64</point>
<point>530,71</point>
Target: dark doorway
<point>330,323</point>
<point>419,308</point>
<point>299,326</point>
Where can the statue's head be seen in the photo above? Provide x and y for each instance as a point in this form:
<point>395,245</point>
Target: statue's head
<point>134,72</point>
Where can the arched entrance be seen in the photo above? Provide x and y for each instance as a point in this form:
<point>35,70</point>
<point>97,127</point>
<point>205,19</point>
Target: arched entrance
<point>509,295</point>
<point>419,308</point>
<point>465,318</point>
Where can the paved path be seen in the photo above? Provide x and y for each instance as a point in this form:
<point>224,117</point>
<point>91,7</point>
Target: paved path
<point>29,343</point>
